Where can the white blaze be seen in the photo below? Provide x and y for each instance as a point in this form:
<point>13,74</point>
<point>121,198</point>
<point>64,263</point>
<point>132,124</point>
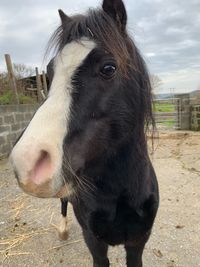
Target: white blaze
<point>49,126</point>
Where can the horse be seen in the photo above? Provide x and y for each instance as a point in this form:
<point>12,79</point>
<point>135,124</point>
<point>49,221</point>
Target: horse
<point>87,143</point>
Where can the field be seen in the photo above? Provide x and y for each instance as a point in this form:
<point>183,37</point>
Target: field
<point>165,114</point>
<point>28,236</point>
<point>164,107</point>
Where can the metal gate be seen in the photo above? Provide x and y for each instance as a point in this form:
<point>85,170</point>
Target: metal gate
<point>165,113</point>
<point>173,113</point>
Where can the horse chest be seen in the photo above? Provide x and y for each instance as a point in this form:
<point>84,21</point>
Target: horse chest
<point>115,227</point>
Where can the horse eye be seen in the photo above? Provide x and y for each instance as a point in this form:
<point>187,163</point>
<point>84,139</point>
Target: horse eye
<point>108,70</point>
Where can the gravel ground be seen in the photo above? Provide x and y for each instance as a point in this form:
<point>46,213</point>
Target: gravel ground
<point>28,238</point>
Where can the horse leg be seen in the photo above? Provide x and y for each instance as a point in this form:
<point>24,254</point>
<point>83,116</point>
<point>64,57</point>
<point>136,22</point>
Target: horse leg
<point>134,255</point>
<point>97,248</point>
<point>62,228</point>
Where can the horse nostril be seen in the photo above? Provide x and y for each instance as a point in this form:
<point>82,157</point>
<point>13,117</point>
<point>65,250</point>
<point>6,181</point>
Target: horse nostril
<point>42,168</point>
<point>44,157</point>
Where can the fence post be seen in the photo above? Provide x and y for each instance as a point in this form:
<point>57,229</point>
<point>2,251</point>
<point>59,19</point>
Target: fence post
<point>11,77</point>
<point>39,85</point>
<point>44,83</point>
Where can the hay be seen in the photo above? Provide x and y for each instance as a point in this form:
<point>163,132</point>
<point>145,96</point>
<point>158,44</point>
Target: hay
<point>18,240</point>
<point>24,226</point>
<point>66,244</point>
<point>51,218</point>
<point>18,205</point>
<point>15,253</point>
<point>2,185</point>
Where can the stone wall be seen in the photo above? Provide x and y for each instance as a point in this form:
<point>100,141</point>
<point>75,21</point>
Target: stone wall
<point>13,119</point>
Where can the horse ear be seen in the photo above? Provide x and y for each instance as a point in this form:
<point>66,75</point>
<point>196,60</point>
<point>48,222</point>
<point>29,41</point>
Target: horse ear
<point>64,18</point>
<point>116,10</point>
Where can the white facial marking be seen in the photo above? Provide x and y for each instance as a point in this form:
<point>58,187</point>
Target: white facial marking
<point>49,126</point>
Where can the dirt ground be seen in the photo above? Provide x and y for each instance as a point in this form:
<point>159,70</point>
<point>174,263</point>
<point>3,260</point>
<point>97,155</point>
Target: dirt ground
<point>28,238</point>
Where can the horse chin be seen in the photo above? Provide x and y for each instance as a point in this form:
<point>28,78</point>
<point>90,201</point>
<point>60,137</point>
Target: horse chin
<point>42,191</point>
<point>48,189</point>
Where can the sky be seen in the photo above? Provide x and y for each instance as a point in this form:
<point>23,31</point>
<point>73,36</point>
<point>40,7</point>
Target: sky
<point>167,32</point>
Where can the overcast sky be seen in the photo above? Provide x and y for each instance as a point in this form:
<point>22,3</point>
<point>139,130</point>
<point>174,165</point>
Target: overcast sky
<point>166,32</point>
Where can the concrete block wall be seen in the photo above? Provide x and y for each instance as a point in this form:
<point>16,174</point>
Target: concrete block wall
<point>195,118</point>
<point>183,111</point>
<point>13,119</point>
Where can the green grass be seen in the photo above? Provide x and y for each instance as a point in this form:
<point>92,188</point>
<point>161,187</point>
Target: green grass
<point>169,124</point>
<point>23,99</point>
<point>163,107</point>
<point>8,99</point>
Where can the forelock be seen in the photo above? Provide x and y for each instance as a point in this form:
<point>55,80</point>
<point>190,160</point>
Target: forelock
<point>98,26</point>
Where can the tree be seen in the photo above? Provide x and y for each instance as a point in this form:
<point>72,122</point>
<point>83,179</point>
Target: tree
<point>22,71</point>
<point>3,82</point>
<point>155,81</point>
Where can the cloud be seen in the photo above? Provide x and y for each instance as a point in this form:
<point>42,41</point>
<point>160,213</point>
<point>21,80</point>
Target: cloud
<point>166,32</point>
<point>168,35</point>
